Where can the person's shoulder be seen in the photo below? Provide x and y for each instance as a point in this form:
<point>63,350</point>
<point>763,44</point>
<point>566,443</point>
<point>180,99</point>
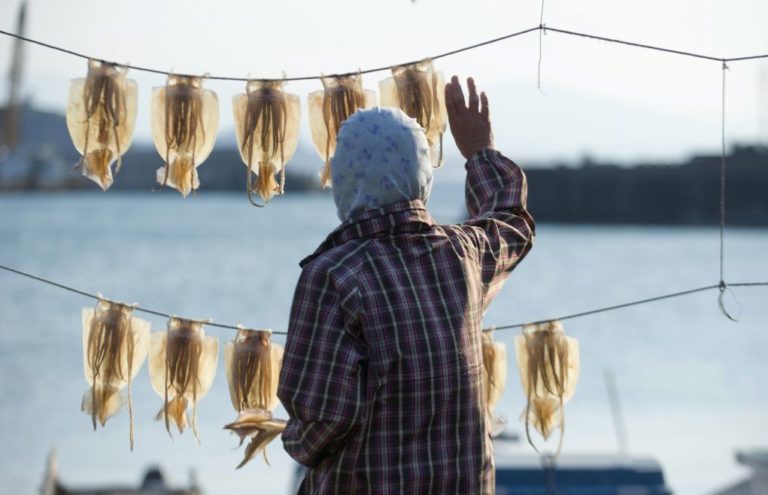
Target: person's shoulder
<point>338,261</point>
<point>462,235</point>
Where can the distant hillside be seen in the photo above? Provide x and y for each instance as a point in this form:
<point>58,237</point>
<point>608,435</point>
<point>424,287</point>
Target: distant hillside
<point>224,170</point>
<point>45,158</point>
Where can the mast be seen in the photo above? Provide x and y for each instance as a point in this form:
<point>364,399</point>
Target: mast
<point>11,128</point>
<point>619,425</point>
<point>762,105</point>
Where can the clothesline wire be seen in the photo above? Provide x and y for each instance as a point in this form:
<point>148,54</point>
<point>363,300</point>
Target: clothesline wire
<point>632,303</point>
<point>643,45</point>
<point>541,28</point>
<point>97,297</point>
<point>502,327</point>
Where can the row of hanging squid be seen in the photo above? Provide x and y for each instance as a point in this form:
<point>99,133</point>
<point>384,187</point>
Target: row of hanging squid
<point>182,366</point>
<point>101,117</point>
<point>183,361</point>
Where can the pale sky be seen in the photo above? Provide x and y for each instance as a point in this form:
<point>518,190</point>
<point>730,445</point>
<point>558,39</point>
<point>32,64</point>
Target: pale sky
<point>613,102</point>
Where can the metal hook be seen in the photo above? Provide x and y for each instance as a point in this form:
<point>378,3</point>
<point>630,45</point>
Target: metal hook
<point>721,304</point>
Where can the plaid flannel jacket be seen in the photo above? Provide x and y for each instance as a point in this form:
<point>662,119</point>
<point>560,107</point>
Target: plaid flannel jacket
<point>382,370</point>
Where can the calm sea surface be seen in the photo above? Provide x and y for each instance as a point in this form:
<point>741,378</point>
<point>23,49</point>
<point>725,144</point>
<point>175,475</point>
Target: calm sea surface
<point>692,384</point>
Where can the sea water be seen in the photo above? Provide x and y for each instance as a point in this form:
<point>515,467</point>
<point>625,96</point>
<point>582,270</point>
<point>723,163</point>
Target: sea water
<point>692,384</point>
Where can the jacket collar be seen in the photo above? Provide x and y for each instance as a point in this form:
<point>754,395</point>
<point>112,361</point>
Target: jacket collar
<point>398,217</point>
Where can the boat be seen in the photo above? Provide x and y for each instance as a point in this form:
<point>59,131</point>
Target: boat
<point>572,474</point>
<point>757,482</point>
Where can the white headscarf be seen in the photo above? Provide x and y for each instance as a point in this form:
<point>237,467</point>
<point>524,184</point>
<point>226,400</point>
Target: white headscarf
<point>382,156</point>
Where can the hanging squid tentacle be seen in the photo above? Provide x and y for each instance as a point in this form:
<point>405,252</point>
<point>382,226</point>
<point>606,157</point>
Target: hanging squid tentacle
<point>253,368</point>
<point>260,427</point>
<point>417,90</point>
<point>165,398</point>
<point>182,368</point>
<point>562,428</point>
<point>528,423</point>
<point>282,173</point>
<point>261,116</point>
<point>183,136</point>
<point>342,96</point>
<point>549,376</point>
<point>100,120</point>
<point>325,174</point>
<point>249,188</point>
<point>190,173</point>
<point>437,114</point>
<point>111,357</point>
<point>130,354</point>
<point>194,413</point>
<point>130,413</point>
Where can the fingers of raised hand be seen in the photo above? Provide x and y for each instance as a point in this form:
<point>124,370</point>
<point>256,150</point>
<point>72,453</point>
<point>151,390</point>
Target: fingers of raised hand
<point>484,106</point>
<point>457,96</point>
<point>449,99</point>
<point>473,99</point>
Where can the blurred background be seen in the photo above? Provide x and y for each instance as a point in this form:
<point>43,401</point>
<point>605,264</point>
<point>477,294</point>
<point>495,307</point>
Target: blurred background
<point>621,147</point>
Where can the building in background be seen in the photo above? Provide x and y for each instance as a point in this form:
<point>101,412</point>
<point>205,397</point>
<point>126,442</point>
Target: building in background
<point>33,150</point>
<point>152,484</point>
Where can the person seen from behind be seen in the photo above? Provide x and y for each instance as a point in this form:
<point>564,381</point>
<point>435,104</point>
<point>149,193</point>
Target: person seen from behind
<point>382,372</point>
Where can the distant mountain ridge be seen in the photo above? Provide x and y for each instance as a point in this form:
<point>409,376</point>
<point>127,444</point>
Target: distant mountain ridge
<point>46,156</point>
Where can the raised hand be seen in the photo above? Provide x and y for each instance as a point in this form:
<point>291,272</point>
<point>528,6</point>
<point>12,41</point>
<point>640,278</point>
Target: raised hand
<point>470,124</point>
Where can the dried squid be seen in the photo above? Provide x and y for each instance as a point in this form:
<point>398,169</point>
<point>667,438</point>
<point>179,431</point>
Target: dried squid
<point>328,109</point>
<point>494,377</point>
<point>182,364</point>
<point>101,116</point>
<point>114,348</point>
<point>549,369</point>
<point>253,364</point>
<point>419,91</point>
<point>185,118</point>
<point>260,427</point>
<point>267,131</point>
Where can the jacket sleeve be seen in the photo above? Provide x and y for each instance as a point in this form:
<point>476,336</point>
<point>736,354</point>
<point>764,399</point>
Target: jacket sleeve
<point>322,380</point>
<point>503,230</point>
